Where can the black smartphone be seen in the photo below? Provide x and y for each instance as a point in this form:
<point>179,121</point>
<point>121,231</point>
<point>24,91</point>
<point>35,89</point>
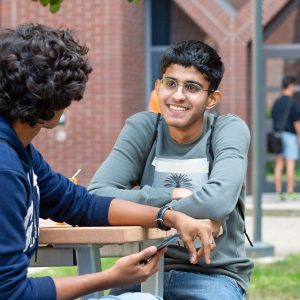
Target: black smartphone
<point>168,241</point>
<point>164,243</point>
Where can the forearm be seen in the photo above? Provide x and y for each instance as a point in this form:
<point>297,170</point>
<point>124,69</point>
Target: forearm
<point>127,270</point>
<point>218,197</point>
<point>128,213</point>
<point>146,195</point>
<point>74,287</point>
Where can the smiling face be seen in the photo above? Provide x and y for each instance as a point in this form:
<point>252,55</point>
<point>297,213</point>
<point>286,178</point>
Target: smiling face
<point>183,111</point>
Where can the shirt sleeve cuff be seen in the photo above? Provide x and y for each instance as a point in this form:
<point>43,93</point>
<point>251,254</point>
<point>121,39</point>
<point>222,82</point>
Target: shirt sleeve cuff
<point>99,213</point>
<point>43,288</point>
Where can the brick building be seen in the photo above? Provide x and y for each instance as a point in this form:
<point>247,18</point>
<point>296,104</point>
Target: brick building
<point>126,42</point>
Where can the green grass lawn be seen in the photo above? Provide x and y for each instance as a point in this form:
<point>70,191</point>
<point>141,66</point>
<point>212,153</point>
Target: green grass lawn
<point>275,281</point>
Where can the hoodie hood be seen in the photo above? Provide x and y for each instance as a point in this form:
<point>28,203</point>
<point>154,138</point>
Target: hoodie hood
<point>8,135</point>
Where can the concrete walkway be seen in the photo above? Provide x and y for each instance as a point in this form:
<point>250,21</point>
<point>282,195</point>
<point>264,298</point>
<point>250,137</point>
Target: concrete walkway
<point>280,223</point>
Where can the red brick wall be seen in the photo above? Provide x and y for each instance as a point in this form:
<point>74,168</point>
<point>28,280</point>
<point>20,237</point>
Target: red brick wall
<point>182,27</point>
<point>114,32</point>
<point>288,31</point>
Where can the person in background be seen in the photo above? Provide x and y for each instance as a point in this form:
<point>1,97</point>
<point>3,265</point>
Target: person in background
<point>290,137</point>
<point>42,71</point>
<point>178,171</point>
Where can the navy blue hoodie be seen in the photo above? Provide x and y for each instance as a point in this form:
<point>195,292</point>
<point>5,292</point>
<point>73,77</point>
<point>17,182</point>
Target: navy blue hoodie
<point>29,189</point>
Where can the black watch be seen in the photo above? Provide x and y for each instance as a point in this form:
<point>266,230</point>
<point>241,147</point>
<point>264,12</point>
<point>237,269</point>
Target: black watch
<point>159,218</point>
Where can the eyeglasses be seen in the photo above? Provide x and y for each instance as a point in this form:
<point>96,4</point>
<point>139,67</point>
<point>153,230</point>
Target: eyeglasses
<point>190,89</point>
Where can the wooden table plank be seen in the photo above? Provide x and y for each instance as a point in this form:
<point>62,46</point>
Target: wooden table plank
<point>53,233</point>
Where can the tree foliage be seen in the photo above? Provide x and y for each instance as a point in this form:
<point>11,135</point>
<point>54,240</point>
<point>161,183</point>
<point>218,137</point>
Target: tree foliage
<point>54,5</point>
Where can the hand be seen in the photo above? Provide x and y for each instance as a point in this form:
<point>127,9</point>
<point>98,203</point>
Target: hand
<point>128,270</point>
<point>190,229</point>
<point>179,193</point>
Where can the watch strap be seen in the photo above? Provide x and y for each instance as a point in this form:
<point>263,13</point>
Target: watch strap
<point>159,218</point>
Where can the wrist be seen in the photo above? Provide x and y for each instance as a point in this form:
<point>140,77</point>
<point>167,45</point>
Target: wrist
<point>162,218</point>
<point>170,217</point>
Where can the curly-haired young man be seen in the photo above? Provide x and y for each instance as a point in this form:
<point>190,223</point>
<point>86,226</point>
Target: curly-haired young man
<point>42,70</point>
<point>175,170</point>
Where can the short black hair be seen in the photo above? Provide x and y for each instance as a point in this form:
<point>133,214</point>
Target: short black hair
<point>195,54</point>
<point>41,71</point>
<point>288,80</point>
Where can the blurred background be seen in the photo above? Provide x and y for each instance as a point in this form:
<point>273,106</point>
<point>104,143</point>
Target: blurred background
<point>126,42</point>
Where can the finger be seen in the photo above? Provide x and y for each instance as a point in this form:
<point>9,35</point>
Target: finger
<point>152,264</point>
<point>189,245</point>
<point>155,258</point>
<point>199,254</point>
<point>207,247</point>
<point>145,254</point>
<point>160,253</point>
<point>150,268</point>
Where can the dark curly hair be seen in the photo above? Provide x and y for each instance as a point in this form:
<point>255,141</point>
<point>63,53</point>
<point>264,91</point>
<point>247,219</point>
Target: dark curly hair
<point>41,71</point>
<point>195,54</point>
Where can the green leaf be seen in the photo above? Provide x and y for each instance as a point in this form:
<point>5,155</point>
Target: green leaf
<point>55,7</point>
<point>53,2</point>
<point>44,2</point>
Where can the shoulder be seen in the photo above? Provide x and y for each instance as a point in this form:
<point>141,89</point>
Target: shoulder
<point>145,118</point>
<point>9,159</point>
<point>231,121</point>
<point>280,99</point>
<point>279,102</point>
<point>142,123</point>
<point>36,157</point>
<point>232,128</point>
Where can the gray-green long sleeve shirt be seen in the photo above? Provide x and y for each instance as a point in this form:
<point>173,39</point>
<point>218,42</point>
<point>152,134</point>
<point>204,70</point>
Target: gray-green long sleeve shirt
<point>169,164</point>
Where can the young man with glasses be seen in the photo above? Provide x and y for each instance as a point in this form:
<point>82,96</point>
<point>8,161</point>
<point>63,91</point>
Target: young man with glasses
<point>174,170</point>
